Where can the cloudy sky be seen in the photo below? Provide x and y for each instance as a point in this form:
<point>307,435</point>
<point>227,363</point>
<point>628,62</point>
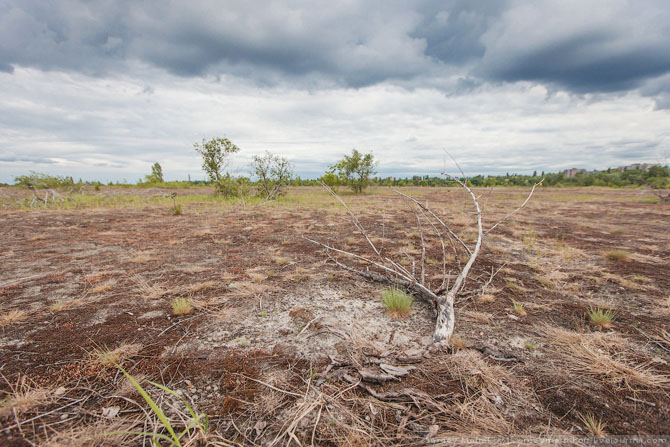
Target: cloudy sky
<point>101,89</point>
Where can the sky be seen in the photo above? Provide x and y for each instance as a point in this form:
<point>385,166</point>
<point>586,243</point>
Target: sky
<point>101,90</point>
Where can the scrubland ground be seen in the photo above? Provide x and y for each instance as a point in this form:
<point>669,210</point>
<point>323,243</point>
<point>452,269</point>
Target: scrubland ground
<point>228,306</point>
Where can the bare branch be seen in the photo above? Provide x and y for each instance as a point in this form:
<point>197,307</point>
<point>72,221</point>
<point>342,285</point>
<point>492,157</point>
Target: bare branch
<point>429,211</point>
<point>357,223</point>
<point>516,210</point>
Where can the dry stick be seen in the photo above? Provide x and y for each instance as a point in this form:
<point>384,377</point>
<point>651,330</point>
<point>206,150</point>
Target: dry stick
<point>318,418</point>
<point>357,223</point>
<point>444,326</point>
<point>429,296</point>
<point>444,251</point>
<point>423,248</point>
<point>488,195</point>
<point>307,325</point>
<point>516,210</point>
<point>48,413</point>
<point>660,345</point>
<point>429,211</point>
<point>407,279</point>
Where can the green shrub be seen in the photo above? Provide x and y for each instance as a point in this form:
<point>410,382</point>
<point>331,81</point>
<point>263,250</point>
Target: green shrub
<point>42,181</point>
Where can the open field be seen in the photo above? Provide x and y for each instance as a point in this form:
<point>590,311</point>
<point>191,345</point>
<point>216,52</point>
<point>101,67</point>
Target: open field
<point>276,336</point>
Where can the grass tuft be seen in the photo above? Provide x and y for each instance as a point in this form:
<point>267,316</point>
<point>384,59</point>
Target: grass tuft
<point>601,318</point>
<point>112,357</point>
<point>398,303</point>
<point>181,306</point>
<point>23,397</point>
<point>595,426</point>
<point>617,255</point>
<point>518,308</point>
<point>11,317</point>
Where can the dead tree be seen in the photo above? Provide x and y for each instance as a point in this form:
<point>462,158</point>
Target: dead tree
<point>49,192</point>
<point>386,270</point>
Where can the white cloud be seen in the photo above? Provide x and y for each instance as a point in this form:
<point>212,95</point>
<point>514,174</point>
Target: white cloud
<point>115,128</point>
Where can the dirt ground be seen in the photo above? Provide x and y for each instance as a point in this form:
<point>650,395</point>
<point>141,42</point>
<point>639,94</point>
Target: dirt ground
<point>273,347</point>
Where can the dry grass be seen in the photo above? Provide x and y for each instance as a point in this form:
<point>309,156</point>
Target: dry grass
<point>594,425</point>
<point>141,257</point>
<point>12,317</point>
<point>487,389</point>
<point>488,294</point>
<point>181,306</point>
<point>205,285</point>
<point>479,317</point>
<point>257,277</point>
<point>194,269</point>
<point>58,306</point>
<point>617,255</point>
<point>458,343</point>
<point>24,397</point>
<point>119,433</point>
<point>101,288</point>
<point>601,355</point>
<point>281,260</point>
<point>109,358</point>
<point>519,309</point>
<point>148,291</point>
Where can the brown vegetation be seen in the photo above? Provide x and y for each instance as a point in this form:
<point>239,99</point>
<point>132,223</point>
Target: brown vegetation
<point>283,346</point>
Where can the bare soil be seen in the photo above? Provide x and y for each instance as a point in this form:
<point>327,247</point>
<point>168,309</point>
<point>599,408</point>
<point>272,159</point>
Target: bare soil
<point>276,325</point>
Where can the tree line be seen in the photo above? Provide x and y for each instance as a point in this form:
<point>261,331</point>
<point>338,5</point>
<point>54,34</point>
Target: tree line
<point>355,170</point>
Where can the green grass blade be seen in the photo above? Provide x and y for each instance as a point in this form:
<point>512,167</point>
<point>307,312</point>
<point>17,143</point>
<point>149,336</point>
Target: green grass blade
<point>157,411</point>
<point>191,425</point>
<point>168,390</point>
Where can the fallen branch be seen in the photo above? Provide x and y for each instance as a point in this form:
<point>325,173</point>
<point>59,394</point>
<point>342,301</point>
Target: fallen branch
<point>385,270</point>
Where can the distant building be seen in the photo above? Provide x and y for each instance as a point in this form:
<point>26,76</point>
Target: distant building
<point>569,173</point>
<point>636,166</point>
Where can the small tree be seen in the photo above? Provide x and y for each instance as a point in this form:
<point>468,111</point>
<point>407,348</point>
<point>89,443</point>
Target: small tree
<point>355,170</point>
<point>156,175</point>
<point>330,179</point>
<point>273,172</point>
<point>214,154</point>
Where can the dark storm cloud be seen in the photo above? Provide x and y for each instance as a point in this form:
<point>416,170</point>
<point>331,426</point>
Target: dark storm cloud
<point>586,63</point>
<point>582,47</point>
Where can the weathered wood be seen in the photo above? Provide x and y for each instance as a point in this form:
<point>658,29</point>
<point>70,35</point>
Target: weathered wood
<point>391,272</point>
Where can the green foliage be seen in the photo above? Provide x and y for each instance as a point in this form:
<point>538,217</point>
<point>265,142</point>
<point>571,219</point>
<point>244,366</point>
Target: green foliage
<point>601,318</point>
<point>227,186</point>
<point>215,153</point>
<point>657,177</point>
<point>355,170</point>
<point>198,422</point>
<point>156,175</point>
<point>38,180</point>
<point>398,303</point>
<point>273,173</point>
<point>330,179</point>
